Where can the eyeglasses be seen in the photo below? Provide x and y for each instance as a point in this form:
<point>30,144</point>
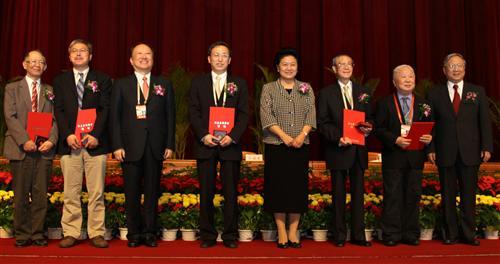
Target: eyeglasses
<point>456,66</point>
<point>34,62</point>
<point>223,56</point>
<point>345,65</point>
<point>79,50</point>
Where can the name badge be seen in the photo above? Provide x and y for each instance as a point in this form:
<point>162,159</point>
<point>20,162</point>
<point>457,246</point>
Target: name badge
<point>140,111</point>
<point>405,129</point>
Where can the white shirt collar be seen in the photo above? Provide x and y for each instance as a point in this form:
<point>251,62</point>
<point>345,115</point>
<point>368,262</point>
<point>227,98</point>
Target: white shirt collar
<point>451,91</point>
<point>223,76</point>
<point>139,77</point>
<point>76,73</point>
<point>349,85</point>
<point>30,81</point>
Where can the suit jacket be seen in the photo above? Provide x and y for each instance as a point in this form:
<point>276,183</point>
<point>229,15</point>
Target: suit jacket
<point>330,123</point>
<point>467,133</point>
<point>388,129</point>
<point>158,128</point>
<point>17,104</point>
<point>201,99</point>
<point>66,108</point>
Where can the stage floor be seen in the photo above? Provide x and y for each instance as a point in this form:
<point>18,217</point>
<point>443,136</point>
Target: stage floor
<point>253,252</point>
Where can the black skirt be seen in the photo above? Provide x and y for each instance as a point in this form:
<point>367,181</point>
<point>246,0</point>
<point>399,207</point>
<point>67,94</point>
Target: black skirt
<point>285,179</point>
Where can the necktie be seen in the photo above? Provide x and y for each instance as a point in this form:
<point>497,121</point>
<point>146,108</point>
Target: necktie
<point>456,99</point>
<point>217,86</point>
<point>406,109</point>
<point>34,98</point>
<point>80,90</point>
<point>145,87</point>
<point>347,96</point>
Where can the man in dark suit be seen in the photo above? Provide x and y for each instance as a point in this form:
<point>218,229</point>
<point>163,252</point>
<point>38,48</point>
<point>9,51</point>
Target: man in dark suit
<point>206,91</point>
<point>31,164</point>
<point>75,90</point>
<point>342,157</point>
<point>143,135</point>
<point>462,140</point>
<point>401,168</point>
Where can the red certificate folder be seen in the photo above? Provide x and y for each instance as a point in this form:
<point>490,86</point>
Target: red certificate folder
<point>416,131</point>
<point>39,125</point>
<point>221,121</point>
<point>84,122</point>
<point>351,120</point>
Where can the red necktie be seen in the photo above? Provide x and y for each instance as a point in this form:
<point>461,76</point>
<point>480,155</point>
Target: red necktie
<point>456,99</point>
<point>145,87</point>
<point>34,98</point>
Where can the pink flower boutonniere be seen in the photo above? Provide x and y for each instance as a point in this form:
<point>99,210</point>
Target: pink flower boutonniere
<point>425,110</point>
<point>93,86</point>
<point>231,89</point>
<point>304,88</point>
<point>159,90</point>
<point>364,98</point>
<point>471,97</point>
<point>49,95</point>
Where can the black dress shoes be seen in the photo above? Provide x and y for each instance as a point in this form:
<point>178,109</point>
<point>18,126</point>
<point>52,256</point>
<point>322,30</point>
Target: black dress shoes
<point>207,243</point>
<point>340,243</point>
<point>449,241</point>
<point>133,243</point>
<point>22,243</point>
<point>230,243</point>
<point>294,244</point>
<point>411,242</point>
<point>362,243</point>
<point>473,242</point>
<point>40,242</point>
<point>390,243</point>
<point>150,240</point>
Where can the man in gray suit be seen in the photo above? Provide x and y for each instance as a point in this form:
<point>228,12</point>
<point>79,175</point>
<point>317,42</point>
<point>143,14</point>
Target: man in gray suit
<point>31,164</point>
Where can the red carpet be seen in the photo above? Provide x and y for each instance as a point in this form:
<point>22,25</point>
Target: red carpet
<point>254,252</point>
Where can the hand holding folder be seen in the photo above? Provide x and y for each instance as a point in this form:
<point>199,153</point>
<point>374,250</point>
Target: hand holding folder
<point>417,130</point>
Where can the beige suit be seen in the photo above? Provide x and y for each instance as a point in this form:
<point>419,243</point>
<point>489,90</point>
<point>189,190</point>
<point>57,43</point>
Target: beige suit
<point>31,171</point>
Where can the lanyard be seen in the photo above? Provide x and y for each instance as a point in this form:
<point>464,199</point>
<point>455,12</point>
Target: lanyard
<point>399,112</point>
<point>223,93</point>
<point>344,96</point>
<point>139,95</point>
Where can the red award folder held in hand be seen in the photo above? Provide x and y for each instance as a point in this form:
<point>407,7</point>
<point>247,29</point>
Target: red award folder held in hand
<point>350,129</point>
<point>416,131</point>
<point>221,121</point>
<point>85,123</point>
<point>39,126</point>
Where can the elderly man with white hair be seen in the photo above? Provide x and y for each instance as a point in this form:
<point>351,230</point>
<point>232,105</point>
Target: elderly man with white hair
<point>401,168</point>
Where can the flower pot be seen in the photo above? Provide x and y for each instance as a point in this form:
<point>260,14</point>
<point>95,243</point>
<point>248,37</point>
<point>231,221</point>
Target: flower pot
<point>426,234</point>
<point>245,235</point>
<point>108,234</point>
<point>269,235</point>
<point>219,236</point>
<point>83,234</point>
<point>491,234</point>
<point>348,235</point>
<point>6,232</point>
<point>169,234</point>
<point>54,233</point>
<point>320,235</point>
<point>189,234</point>
<point>123,233</point>
<point>369,234</point>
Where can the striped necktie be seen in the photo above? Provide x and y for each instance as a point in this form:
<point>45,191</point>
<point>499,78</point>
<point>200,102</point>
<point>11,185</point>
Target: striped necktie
<point>80,90</point>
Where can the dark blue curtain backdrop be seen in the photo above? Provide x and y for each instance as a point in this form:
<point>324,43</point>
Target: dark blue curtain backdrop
<point>378,34</point>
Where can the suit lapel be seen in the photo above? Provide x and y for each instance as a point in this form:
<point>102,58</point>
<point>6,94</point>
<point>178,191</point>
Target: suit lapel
<point>465,90</point>
<point>448,102</point>
<point>338,95</point>
<point>42,99</point>
<point>24,91</point>
<point>355,95</point>
<point>209,90</point>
